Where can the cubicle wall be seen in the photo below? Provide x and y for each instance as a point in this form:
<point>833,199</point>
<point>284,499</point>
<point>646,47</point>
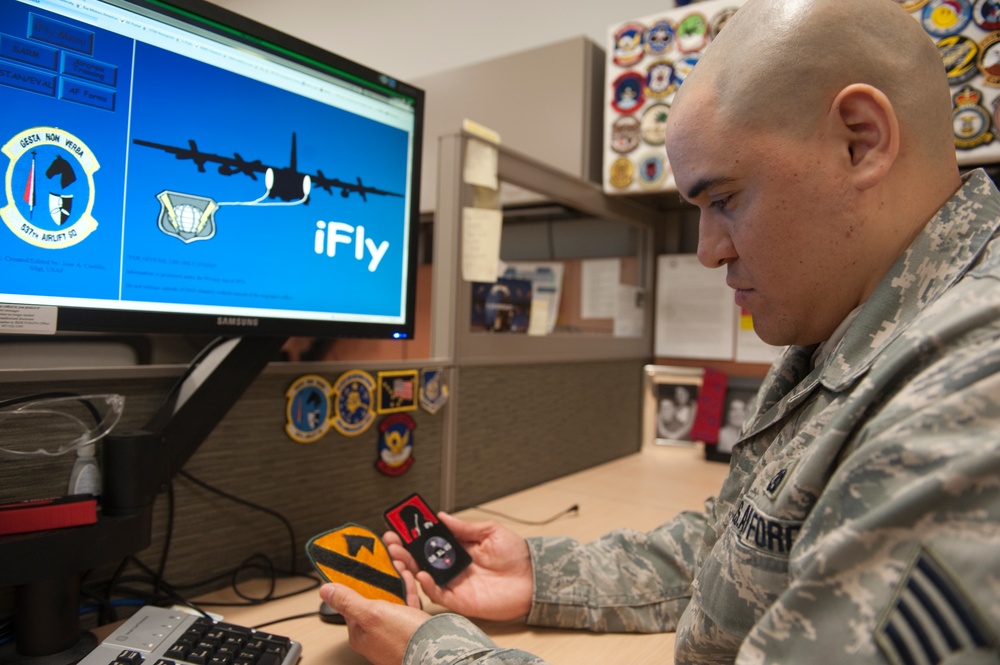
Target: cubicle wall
<point>521,425</point>
<point>530,408</point>
<point>316,486</point>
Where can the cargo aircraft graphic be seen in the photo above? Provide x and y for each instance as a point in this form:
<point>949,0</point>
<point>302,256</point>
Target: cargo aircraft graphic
<point>286,183</point>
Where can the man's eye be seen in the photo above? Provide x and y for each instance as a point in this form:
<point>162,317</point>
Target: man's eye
<point>721,204</point>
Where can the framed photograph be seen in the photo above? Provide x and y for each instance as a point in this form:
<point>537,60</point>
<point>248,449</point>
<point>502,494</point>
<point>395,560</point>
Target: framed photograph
<point>670,404</point>
<point>740,394</point>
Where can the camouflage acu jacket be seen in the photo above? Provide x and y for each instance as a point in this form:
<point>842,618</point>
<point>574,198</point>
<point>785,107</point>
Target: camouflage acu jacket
<point>860,522</point>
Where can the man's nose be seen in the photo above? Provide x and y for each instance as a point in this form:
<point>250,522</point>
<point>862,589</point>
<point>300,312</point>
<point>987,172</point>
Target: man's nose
<point>715,247</point>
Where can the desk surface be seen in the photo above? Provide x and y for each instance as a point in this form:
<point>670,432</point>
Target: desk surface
<point>640,491</point>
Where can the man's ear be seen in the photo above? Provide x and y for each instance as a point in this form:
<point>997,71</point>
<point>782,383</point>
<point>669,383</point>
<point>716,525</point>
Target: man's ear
<point>867,124</point>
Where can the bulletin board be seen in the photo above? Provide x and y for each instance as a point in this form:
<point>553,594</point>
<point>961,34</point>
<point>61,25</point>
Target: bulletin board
<point>648,59</point>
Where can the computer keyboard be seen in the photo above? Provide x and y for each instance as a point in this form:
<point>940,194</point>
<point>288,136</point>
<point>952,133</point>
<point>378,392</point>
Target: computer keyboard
<point>158,636</point>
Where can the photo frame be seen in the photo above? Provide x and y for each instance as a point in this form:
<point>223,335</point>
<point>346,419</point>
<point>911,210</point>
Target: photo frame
<point>740,395</point>
<point>669,404</point>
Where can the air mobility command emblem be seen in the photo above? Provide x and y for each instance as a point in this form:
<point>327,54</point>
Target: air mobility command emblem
<point>50,188</point>
<point>186,217</point>
<point>433,391</point>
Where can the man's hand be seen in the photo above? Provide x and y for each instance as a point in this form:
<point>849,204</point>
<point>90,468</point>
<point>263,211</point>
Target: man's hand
<point>497,586</point>
<point>379,630</point>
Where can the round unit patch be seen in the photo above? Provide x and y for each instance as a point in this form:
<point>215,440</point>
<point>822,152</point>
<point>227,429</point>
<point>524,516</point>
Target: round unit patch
<point>652,171</point>
<point>660,79</point>
<point>625,134</point>
<point>683,67</point>
<point>395,445</point>
<point>50,188</point>
<point>970,119</point>
<point>628,92</point>
<point>654,124</point>
<point>986,14</point>
<point>628,44</point>
<point>354,402</point>
<point>959,55</point>
<point>692,33</point>
<point>718,22</point>
<point>989,59</point>
<point>943,18</point>
<point>621,173</point>
<point>660,37</point>
<point>307,412</point>
<point>911,5</point>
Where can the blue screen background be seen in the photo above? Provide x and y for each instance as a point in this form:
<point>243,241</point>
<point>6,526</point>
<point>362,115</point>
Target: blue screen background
<point>259,256</point>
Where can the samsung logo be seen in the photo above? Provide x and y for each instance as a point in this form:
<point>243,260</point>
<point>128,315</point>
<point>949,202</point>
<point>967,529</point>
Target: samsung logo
<point>236,321</point>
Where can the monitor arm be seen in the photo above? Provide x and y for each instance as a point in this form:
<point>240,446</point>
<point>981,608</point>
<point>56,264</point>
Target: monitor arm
<point>137,466</point>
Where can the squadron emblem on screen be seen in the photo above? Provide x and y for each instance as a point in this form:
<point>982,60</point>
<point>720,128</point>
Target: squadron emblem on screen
<point>50,188</point>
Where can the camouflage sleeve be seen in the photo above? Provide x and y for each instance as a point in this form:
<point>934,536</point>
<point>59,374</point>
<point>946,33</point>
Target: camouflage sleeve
<point>901,557</point>
<point>627,581</point>
<point>453,640</point>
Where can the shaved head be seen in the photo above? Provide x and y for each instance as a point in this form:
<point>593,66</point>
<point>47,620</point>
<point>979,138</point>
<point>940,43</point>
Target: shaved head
<point>816,139</point>
<point>779,64</point>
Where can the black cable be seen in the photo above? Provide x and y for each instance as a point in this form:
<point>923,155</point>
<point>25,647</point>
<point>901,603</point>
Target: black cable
<point>572,510</point>
<point>168,538</point>
<point>283,619</point>
<point>249,504</point>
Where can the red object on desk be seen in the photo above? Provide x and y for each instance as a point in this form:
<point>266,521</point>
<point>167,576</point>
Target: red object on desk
<point>45,514</point>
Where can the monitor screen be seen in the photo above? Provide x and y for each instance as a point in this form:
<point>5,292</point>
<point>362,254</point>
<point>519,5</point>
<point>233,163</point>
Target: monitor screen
<point>173,167</point>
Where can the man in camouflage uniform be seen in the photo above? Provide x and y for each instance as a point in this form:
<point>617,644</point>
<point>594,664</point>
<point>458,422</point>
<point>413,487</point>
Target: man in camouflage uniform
<point>860,522</point>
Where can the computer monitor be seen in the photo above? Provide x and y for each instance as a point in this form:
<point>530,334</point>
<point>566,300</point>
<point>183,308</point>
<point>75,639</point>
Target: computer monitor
<point>172,167</point>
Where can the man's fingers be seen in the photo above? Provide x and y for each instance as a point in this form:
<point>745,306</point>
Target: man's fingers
<point>341,598</point>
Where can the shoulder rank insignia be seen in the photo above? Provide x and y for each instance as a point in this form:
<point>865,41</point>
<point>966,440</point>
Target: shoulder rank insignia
<point>354,402</point>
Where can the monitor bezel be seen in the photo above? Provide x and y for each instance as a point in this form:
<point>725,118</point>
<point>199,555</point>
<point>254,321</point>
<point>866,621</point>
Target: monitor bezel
<point>203,15</point>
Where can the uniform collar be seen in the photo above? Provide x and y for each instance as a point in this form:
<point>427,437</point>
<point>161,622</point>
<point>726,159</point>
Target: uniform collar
<point>943,251</point>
